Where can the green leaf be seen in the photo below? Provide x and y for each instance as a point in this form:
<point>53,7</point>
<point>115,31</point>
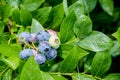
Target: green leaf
<point>36,27</point>
<point>112,76</point>
<point>46,76</point>
<point>78,7</point>
<point>1,27</point>
<point>14,3</point>
<point>75,54</point>
<point>88,62</point>
<point>57,16</point>
<point>103,17</point>
<point>96,41</point>
<point>107,6</point>
<point>32,5</point>
<point>90,5</point>
<point>117,35</point>
<point>2,65</point>
<point>6,11</point>
<point>42,14</point>
<point>65,50</point>
<point>16,15</point>
<point>12,62</point>
<point>83,27</point>
<point>25,17</point>
<point>101,63</point>
<point>7,75</point>
<point>17,78</point>
<point>31,70</point>
<point>82,77</point>
<point>65,6</point>
<point>10,50</point>
<point>115,50</point>
<point>59,77</point>
<point>4,38</point>
<point>66,28</point>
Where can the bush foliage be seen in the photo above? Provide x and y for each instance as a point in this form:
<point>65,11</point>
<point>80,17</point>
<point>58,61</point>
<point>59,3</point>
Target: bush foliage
<point>89,32</point>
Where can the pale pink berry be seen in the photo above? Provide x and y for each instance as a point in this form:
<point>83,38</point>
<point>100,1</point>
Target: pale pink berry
<point>52,32</point>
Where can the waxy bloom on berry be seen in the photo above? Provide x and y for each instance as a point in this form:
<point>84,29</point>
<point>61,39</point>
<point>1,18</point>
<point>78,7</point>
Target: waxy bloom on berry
<point>24,37</point>
<point>25,54</point>
<point>40,58</point>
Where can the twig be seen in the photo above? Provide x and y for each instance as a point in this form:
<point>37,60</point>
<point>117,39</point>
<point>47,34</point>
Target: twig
<point>58,73</point>
<point>4,70</point>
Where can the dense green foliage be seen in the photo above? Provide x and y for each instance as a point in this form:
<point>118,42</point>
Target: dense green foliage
<point>89,31</point>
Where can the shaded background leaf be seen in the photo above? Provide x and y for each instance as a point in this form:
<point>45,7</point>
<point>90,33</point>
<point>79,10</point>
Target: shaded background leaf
<point>116,35</point>
<point>115,50</point>
<point>107,6</point>
<point>1,27</point>
<point>112,76</point>
<point>89,5</point>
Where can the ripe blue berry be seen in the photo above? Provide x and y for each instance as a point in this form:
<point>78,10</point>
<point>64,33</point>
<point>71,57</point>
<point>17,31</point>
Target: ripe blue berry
<point>43,36</point>
<point>25,54</point>
<point>44,47</point>
<point>23,37</point>
<point>52,54</point>
<point>40,58</point>
<point>33,37</point>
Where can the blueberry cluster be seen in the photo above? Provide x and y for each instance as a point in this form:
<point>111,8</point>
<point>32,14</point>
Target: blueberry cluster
<point>47,43</point>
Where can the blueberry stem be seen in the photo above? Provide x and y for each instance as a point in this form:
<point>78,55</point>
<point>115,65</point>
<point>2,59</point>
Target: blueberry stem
<point>4,70</point>
<point>33,47</point>
<point>19,26</point>
<point>57,73</point>
<point>70,74</point>
<point>98,78</point>
<point>9,41</point>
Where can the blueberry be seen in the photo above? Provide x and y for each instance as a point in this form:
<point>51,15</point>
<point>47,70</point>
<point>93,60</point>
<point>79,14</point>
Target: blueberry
<point>52,54</point>
<point>33,37</point>
<point>43,36</point>
<point>23,37</point>
<point>40,58</point>
<point>44,47</point>
<point>54,41</point>
<point>52,32</point>
<point>34,52</point>
<point>25,54</point>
